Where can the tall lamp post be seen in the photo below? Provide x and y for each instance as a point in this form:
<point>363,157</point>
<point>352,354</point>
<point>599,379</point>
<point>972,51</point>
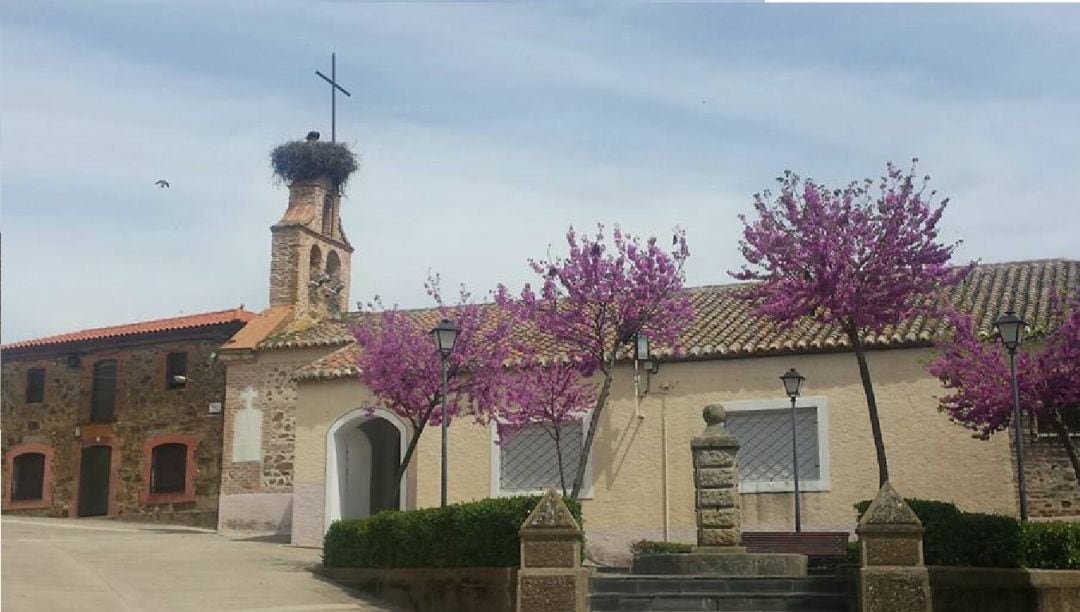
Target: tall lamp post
<point>445,335</point>
<point>1011,329</point>
<point>792,381</point>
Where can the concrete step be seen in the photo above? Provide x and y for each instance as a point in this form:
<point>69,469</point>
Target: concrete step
<point>636,583</point>
<point>694,594</point>
<point>722,602</point>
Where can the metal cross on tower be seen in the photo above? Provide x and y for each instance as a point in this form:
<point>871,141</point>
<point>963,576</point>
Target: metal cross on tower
<point>334,88</point>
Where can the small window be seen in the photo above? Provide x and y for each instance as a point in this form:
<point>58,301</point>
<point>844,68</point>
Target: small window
<point>168,469</point>
<point>528,461</point>
<point>176,371</point>
<point>103,396</point>
<point>35,385</point>
<point>28,477</point>
<point>328,215</point>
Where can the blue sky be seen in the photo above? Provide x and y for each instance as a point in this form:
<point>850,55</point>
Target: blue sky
<point>484,130</point>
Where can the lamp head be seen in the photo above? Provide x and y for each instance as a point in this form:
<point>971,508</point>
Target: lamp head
<point>445,335</point>
<point>792,382</point>
<point>1011,329</point>
<point>641,346</point>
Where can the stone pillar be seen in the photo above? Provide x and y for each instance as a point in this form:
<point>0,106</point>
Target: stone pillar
<point>716,479</point>
<point>551,578</point>
<point>892,577</point>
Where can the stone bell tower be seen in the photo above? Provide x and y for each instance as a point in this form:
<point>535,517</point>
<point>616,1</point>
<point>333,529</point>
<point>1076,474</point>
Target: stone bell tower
<point>310,255</point>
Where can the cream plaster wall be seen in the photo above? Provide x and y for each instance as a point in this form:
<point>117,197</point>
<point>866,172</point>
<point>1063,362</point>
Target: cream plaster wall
<point>928,456</point>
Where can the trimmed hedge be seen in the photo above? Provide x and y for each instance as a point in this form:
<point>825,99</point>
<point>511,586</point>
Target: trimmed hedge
<point>953,537</point>
<point>1054,545</point>
<point>474,534</point>
<point>652,547</point>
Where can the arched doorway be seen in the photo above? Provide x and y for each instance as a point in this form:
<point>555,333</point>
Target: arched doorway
<point>363,449</point>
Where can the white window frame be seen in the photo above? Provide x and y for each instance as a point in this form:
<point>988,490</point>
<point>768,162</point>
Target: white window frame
<point>496,466</point>
<point>824,480</point>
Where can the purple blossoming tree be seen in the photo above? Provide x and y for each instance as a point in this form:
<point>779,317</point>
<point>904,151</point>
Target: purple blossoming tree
<point>860,258</point>
<point>598,298</point>
<point>399,364</point>
<point>977,375</point>
<point>549,396</point>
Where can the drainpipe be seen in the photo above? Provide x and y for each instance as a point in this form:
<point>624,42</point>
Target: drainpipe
<point>664,390</point>
<point>664,466</point>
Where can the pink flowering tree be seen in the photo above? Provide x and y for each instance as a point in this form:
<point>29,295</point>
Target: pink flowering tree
<point>976,373</point>
<point>861,258</point>
<point>549,396</point>
<point>593,302</point>
<point>400,366</point>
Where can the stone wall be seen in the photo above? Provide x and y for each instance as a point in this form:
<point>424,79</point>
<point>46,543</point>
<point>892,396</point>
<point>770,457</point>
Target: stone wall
<point>987,589</point>
<point>145,410</point>
<point>257,492</point>
<point>457,589</point>
<point>1052,491</point>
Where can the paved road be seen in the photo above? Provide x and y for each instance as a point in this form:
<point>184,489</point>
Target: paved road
<point>54,565</point>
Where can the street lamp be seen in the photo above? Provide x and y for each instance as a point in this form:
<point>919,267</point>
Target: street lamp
<point>445,335</point>
<point>1011,329</point>
<point>792,382</point>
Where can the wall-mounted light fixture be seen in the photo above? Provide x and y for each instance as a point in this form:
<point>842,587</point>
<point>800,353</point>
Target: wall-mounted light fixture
<point>643,361</point>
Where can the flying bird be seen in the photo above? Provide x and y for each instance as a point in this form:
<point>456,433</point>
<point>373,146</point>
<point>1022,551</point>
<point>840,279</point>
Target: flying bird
<point>162,183</point>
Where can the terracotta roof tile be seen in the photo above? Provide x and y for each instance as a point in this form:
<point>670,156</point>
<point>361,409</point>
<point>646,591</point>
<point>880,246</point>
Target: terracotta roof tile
<point>134,329</point>
<point>725,326</point>
<point>261,325</point>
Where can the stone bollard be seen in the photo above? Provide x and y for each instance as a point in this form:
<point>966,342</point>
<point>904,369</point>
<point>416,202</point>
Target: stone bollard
<point>716,479</point>
<point>551,578</point>
<point>892,577</point>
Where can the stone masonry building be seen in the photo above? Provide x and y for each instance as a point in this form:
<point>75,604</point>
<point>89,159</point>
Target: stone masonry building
<point>120,421</point>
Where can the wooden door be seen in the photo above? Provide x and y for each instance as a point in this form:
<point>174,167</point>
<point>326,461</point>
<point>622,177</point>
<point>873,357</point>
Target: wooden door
<point>94,481</point>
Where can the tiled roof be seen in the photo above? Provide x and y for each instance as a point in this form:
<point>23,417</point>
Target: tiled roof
<point>134,329</point>
<point>260,326</point>
<point>725,326</point>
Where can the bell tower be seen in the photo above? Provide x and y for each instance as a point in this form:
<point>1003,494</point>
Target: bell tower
<point>310,255</point>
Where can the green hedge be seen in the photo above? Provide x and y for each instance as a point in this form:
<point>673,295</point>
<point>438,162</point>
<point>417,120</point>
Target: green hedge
<point>474,534</point>
<point>1054,545</point>
<point>953,537</point>
<point>652,547</point>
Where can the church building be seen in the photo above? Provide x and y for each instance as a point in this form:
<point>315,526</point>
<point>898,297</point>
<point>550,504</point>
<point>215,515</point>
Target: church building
<point>302,449</point>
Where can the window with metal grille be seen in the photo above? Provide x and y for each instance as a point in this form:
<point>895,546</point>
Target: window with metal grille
<point>103,396</point>
<point>1043,424</point>
<point>765,454</point>
<point>35,385</point>
<point>27,476</point>
<point>168,469</point>
<point>528,461</point>
<point>175,370</point>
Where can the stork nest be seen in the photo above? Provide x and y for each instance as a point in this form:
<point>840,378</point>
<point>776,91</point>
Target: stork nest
<point>303,160</point>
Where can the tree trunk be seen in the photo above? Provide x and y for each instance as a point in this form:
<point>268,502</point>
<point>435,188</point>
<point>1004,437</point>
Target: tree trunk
<point>558,455</point>
<point>594,421</point>
<point>404,465</point>
<point>871,406</point>
<point>1067,443</point>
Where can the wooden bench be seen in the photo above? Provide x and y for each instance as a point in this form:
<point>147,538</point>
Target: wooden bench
<point>830,547</point>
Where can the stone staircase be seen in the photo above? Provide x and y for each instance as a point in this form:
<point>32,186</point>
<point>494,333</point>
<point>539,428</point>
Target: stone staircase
<point>633,592</point>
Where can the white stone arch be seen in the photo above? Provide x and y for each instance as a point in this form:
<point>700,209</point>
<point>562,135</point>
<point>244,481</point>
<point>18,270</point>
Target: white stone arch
<point>332,507</point>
